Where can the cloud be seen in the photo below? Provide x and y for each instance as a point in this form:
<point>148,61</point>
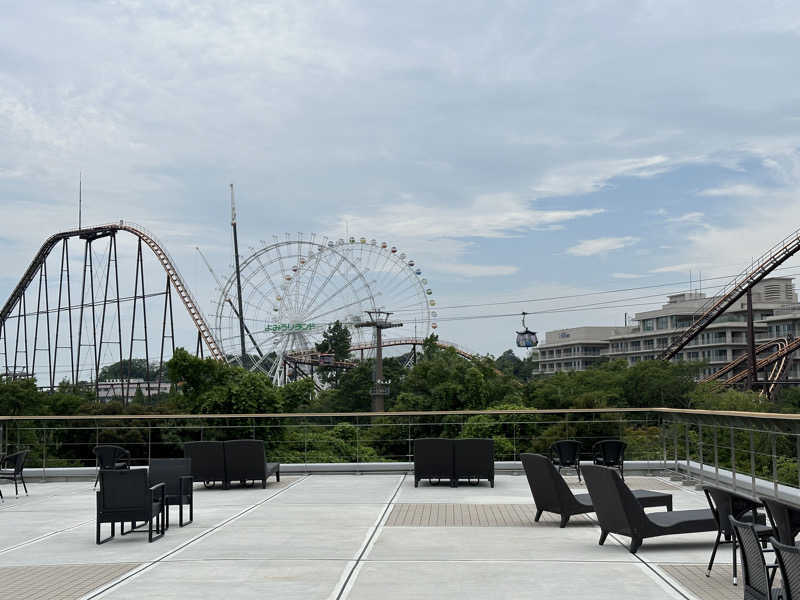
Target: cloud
<point>590,176</point>
<point>626,276</point>
<point>469,270</point>
<point>690,217</point>
<point>487,216</point>
<point>601,245</point>
<point>681,268</point>
<point>741,190</point>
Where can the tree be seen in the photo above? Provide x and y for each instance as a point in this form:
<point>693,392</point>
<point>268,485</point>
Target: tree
<point>336,340</point>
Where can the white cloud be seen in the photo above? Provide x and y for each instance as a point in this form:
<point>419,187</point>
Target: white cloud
<point>469,270</point>
<point>601,245</point>
<point>690,217</point>
<point>488,216</point>
<point>626,276</point>
<point>590,176</point>
<point>681,268</point>
<point>741,190</point>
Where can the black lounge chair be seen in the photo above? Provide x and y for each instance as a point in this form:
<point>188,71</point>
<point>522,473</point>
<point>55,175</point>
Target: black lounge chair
<point>566,453</point>
<point>725,504</point>
<point>125,495</point>
<point>757,579</point>
<point>11,469</point>
<point>111,457</point>
<point>473,458</point>
<point>244,459</point>
<point>610,453</point>
<point>208,462</point>
<point>552,494</point>
<point>176,475</point>
<point>618,511</point>
<point>433,459</point>
<point>789,566</point>
<point>784,518</point>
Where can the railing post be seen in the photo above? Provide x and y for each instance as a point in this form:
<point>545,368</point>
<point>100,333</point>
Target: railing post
<point>688,470</point>
<point>44,454</point>
<point>774,466</point>
<point>752,463</point>
<point>149,442</point>
<point>675,444</point>
<point>797,456</point>
<point>357,455</point>
<point>408,439</point>
<point>305,446</point>
<point>733,458</point>
<point>716,456</point>
<point>514,452</point>
<point>663,443</point>
<point>700,449</point>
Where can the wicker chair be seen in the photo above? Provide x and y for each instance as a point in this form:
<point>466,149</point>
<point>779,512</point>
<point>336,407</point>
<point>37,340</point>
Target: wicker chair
<point>433,459</point>
<point>125,496</point>
<point>566,453</point>
<point>618,511</point>
<point>789,565</point>
<point>176,475</point>
<point>11,468</point>
<point>785,519</point>
<point>610,453</point>
<point>757,579</point>
<point>111,457</point>
<point>552,494</point>
<point>725,504</point>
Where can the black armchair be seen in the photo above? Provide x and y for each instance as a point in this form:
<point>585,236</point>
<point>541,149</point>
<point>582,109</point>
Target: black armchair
<point>11,468</point>
<point>784,518</point>
<point>610,453</point>
<point>176,475</point>
<point>724,505</point>
<point>566,453</point>
<point>789,564</point>
<point>125,495</point>
<point>433,459</point>
<point>111,457</point>
<point>757,576</point>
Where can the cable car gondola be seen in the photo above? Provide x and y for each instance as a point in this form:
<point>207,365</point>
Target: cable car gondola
<point>526,338</point>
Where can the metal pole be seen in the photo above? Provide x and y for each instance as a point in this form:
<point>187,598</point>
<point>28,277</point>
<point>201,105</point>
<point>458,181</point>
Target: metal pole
<point>752,463</point>
<point>733,457</point>
<point>751,342</point>
<point>716,457</point>
<point>774,466</point>
<point>700,448</point>
<point>377,397</point>
<point>238,276</point>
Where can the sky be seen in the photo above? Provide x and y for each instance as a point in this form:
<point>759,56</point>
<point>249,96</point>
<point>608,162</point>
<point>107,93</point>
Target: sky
<point>517,151</point>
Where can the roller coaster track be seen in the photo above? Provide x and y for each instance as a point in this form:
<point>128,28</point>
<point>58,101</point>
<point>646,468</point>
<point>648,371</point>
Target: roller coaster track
<point>311,357</point>
<point>742,360</point>
<point>779,354</point>
<point>735,289</point>
<point>98,231</point>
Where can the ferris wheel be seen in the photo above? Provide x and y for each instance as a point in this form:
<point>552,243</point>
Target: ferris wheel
<point>295,287</point>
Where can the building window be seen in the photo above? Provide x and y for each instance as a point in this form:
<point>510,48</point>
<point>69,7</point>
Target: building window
<point>662,323</point>
<point>647,325</point>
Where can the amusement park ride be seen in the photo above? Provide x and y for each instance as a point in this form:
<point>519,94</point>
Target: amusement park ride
<point>67,318</point>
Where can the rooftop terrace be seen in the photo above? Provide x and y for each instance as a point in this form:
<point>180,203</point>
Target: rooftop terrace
<point>349,536</point>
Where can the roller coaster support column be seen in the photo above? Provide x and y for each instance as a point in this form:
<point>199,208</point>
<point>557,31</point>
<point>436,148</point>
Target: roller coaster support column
<point>752,379</point>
